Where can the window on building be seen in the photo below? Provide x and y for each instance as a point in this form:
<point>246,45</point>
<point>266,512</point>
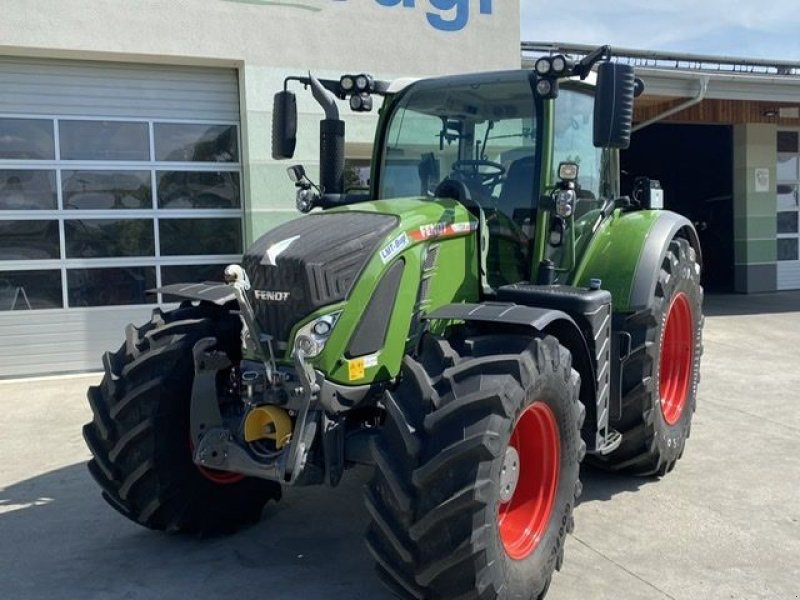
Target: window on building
<point>788,209</point>
<point>95,212</point>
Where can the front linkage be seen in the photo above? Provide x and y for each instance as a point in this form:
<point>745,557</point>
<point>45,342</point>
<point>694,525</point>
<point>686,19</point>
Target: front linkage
<point>283,406</point>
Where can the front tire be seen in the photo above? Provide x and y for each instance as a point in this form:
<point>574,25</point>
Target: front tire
<point>661,376</point>
<point>140,436</point>
<point>445,520</point>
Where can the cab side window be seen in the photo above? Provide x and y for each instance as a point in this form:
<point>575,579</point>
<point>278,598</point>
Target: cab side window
<point>574,124</point>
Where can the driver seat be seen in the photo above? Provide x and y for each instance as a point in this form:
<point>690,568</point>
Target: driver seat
<point>517,198</point>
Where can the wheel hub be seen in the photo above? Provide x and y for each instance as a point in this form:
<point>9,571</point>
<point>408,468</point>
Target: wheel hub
<point>509,476</point>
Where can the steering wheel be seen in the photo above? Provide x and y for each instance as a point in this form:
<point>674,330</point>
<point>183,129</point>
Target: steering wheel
<point>487,172</point>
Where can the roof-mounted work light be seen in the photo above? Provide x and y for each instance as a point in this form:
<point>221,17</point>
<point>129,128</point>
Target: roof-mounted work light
<point>543,66</point>
<point>547,88</point>
<point>361,102</point>
<point>347,83</point>
<point>359,88</point>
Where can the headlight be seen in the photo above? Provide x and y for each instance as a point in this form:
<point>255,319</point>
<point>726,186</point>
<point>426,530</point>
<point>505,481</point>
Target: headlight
<point>565,202</point>
<point>312,337</point>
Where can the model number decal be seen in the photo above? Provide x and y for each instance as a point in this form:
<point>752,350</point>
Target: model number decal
<point>438,230</point>
<point>395,247</point>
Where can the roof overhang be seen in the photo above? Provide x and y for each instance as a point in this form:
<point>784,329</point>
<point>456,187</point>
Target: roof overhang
<point>721,86</point>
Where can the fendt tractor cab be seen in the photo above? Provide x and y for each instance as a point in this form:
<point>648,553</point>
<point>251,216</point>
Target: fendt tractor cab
<point>487,313</point>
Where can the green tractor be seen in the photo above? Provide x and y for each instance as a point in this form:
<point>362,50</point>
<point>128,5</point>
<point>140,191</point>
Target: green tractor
<point>489,313</point>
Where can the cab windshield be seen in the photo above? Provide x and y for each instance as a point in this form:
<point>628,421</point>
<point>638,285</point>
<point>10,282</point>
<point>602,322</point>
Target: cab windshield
<point>475,139</point>
<point>480,133</point>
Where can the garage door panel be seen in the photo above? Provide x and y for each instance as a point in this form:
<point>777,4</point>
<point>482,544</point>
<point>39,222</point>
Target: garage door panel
<point>99,88</point>
<point>89,150</point>
<point>789,276</point>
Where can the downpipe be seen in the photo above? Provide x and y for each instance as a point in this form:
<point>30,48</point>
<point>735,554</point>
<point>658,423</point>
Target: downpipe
<point>699,97</point>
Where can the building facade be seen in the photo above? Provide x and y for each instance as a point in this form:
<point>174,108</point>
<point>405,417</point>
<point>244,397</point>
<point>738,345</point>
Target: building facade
<point>722,136</point>
<point>135,136</point>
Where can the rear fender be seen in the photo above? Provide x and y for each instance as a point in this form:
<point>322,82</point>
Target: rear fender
<point>626,254</point>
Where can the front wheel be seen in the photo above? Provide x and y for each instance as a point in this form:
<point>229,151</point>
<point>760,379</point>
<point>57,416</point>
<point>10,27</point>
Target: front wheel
<point>140,436</point>
<point>477,469</point>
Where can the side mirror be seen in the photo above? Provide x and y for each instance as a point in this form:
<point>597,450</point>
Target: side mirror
<point>284,125</point>
<point>613,105</point>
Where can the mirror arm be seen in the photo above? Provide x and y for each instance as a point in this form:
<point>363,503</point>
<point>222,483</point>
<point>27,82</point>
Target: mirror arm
<point>584,67</point>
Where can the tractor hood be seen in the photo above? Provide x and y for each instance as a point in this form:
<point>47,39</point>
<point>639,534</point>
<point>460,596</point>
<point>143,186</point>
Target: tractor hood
<point>315,260</point>
<point>308,263</point>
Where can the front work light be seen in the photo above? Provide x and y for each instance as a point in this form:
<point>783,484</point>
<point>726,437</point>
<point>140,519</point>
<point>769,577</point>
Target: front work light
<point>568,171</point>
<point>347,83</point>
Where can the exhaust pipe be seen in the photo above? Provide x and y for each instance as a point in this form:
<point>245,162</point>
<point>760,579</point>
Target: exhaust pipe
<point>331,141</point>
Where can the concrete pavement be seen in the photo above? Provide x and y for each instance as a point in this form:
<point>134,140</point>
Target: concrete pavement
<point>724,525</point>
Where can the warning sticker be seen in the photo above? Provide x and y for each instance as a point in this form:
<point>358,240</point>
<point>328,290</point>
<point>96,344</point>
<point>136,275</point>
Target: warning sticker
<point>357,366</point>
<point>355,369</point>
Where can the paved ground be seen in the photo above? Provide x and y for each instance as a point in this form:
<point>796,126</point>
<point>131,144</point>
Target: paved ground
<point>725,524</point>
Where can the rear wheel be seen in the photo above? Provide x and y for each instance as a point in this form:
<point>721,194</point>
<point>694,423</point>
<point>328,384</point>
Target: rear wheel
<point>660,378</point>
<point>140,437</point>
<point>477,469</point>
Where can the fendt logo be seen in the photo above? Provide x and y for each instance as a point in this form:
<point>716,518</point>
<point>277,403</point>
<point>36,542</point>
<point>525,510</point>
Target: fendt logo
<point>271,296</point>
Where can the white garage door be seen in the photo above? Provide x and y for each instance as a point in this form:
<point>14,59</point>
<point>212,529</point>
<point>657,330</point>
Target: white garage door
<point>114,179</point>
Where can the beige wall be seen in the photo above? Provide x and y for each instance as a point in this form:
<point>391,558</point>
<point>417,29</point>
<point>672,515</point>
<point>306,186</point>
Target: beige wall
<point>754,210</point>
<point>335,34</point>
<point>268,40</point>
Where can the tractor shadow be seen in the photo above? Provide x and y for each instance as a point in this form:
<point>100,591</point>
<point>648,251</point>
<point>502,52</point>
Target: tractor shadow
<point>600,486</point>
<point>61,540</point>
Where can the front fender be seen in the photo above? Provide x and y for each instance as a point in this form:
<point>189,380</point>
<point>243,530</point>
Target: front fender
<point>626,254</point>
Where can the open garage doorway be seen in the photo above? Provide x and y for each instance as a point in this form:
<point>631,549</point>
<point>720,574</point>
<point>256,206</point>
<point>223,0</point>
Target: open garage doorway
<point>694,164</point>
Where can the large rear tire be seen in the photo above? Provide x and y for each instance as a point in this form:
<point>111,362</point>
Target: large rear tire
<point>448,516</point>
<point>660,378</point>
<point>140,437</point>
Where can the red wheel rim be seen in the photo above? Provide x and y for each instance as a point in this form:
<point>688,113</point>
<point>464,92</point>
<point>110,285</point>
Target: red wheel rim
<point>220,477</point>
<point>677,359</point>
<point>215,475</point>
<point>523,519</point>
